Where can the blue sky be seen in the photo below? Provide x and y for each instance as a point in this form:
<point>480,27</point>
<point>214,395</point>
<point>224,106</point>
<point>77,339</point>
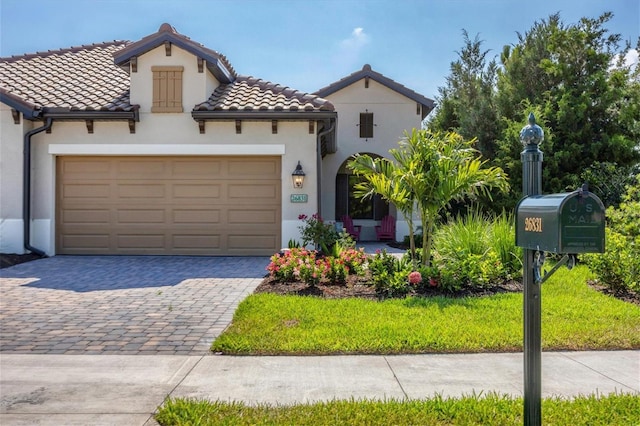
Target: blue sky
<point>305,44</point>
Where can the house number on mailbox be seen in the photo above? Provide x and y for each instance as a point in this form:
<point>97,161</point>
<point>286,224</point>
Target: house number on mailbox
<point>533,224</point>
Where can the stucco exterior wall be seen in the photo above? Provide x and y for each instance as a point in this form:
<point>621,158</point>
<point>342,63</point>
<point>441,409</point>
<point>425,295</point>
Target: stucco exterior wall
<point>11,181</point>
<point>194,84</point>
<point>393,114</point>
<point>155,134</point>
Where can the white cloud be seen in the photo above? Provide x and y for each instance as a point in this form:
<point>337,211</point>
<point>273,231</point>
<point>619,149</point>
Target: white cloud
<point>348,54</point>
<point>631,58</point>
<point>357,40</point>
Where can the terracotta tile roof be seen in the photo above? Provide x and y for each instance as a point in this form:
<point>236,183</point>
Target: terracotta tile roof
<point>251,94</point>
<point>82,78</point>
<point>90,78</point>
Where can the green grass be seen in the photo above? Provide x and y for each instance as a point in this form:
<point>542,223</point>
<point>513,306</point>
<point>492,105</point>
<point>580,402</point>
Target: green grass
<point>574,317</point>
<point>614,409</point>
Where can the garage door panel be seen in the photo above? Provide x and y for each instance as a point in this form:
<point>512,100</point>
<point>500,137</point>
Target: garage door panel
<point>140,240</point>
<point>79,169</point>
<point>93,216</point>
<point>185,169</point>
<point>165,205</point>
<point>141,216</point>
<point>141,169</point>
<point>253,216</point>
<point>141,190</point>
<point>252,191</point>
<point>207,191</point>
<point>86,190</point>
<point>254,242</point>
<point>196,216</point>
<point>269,168</point>
<point>85,242</point>
<point>196,242</point>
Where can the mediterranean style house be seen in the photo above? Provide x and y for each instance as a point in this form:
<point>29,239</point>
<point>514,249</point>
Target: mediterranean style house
<point>159,147</point>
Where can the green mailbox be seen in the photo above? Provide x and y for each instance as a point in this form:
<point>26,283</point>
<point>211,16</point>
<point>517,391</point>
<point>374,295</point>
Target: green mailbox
<point>568,223</point>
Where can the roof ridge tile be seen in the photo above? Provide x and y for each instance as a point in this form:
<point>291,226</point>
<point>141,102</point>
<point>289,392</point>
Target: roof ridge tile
<point>72,49</point>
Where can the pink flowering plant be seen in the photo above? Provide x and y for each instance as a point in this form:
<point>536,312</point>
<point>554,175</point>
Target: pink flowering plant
<point>415,278</point>
<point>282,266</point>
<point>309,269</point>
<point>308,266</point>
<point>297,264</point>
<point>354,260</point>
<point>337,270</point>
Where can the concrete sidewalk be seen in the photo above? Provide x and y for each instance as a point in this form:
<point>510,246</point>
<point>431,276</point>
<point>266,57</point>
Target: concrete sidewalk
<point>126,389</point>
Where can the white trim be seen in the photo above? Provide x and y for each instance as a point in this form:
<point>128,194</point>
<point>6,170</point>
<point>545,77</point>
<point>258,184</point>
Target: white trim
<point>165,149</point>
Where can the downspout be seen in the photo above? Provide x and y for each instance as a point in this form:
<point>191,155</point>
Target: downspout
<point>319,163</point>
<point>26,187</point>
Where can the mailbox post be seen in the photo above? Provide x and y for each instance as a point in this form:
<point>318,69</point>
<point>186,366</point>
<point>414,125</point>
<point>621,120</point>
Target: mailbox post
<point>567,223</point>
<point>531,136</point>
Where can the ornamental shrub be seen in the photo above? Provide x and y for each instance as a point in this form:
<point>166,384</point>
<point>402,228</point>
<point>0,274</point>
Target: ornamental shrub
<point>315,231</point>
<point>300,264</point>
<point>282,265</point>
<point>310,270</point>
<point>390,275</point>
<point>336,270</point>
<point>297,264</point>
<point>354,259</point>
<point>619,267</point>
<point>476,250</point>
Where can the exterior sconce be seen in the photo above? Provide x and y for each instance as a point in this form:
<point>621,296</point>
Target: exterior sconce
<point>298,176</point>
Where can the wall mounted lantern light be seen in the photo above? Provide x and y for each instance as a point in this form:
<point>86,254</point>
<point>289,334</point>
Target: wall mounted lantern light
<point>298,176</point>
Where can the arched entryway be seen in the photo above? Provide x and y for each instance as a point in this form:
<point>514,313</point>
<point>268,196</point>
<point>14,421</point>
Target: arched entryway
<point>366,213</point>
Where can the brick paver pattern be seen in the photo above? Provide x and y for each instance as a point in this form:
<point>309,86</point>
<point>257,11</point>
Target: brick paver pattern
<point>122,304</point>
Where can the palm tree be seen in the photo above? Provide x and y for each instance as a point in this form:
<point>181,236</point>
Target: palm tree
<point>384,177</point>
<point>431,171</point>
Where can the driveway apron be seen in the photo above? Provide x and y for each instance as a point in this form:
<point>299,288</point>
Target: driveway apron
<point>122,304</point>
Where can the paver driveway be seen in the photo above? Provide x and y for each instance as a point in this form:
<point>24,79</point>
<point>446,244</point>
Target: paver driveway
<point>122,304</point>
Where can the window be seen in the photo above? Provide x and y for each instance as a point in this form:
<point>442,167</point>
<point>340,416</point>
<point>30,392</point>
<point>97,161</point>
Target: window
<point>366,124</point>
<point>348,204</point>
<point>167,89</point>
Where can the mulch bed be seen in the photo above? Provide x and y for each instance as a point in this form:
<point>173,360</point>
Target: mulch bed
<point>623,294</point>
<point>358,287</point>
<point>11,259</point>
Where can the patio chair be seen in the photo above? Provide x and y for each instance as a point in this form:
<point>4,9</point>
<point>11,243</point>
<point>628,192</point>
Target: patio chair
<point>353,230</point>
<point>387,228</point>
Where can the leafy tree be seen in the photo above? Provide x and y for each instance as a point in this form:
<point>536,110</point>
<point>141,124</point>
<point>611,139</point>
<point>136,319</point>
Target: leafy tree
<point>566,71</point>
<point>466,104</point>
<point>608,181</point>
<point>574,78</point>
<point>433,169</point>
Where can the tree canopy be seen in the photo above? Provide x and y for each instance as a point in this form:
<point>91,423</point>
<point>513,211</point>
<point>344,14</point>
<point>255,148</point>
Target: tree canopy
<point>573,78</point>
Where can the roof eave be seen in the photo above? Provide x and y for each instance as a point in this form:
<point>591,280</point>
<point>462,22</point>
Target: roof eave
<point>58,113</point>
<point>29,110</point>
<point>214,64</point>
<point>385,81</point>
<point>262,115</point>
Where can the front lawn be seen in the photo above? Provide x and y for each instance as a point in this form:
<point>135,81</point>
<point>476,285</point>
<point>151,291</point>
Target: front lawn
<point>488,410</point>
<point>574,317</point>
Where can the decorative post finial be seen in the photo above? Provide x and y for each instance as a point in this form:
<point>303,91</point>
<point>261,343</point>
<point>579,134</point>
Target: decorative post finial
<point>531,135</point>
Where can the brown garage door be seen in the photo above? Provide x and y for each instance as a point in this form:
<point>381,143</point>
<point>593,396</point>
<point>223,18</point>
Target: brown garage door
<point>168,205</point>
